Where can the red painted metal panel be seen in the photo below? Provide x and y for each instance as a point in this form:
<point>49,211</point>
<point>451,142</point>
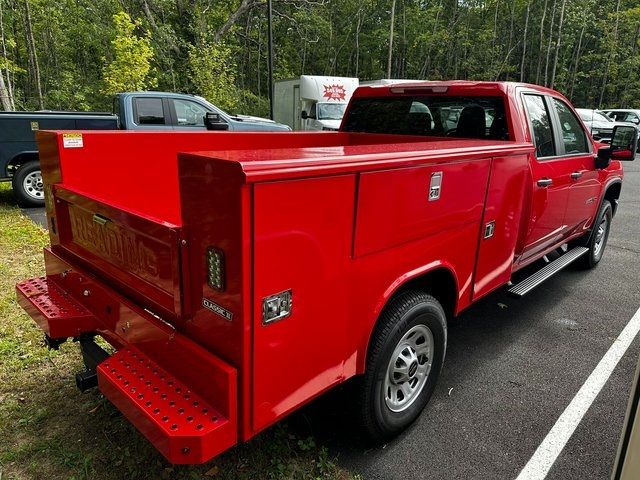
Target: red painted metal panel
<point>394,206</point>
<point>546,225</point>
<point>504,207</point>
<point>216,213</point>
<point>303,238</point>
<point>140,255</point>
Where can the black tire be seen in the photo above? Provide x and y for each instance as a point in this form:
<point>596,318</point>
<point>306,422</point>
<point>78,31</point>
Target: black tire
<point>408,310</point>
<point>594,255</point>
<point>31,196</point>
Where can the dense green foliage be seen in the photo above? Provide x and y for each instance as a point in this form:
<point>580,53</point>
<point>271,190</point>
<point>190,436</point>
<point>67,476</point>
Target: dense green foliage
<point>70,54</point>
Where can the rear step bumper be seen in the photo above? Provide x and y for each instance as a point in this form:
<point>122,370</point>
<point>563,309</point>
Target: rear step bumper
<point>181,424</point>
<point>181,397</point>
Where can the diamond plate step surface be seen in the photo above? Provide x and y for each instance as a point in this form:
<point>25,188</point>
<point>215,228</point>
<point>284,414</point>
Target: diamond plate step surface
<point>55,310</point>
<point>179,422</point>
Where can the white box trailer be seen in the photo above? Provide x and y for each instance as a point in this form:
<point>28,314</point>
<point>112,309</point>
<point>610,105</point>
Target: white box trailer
<point>312,102</point>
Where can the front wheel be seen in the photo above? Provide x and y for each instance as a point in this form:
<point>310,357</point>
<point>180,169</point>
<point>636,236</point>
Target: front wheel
<point>405,357</point>
<point>28,186</point>
<point>598,237</point>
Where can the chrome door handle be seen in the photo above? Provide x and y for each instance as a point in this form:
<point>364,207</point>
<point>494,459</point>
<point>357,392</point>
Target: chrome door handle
<point>545,182</point>
<point>576,175</point>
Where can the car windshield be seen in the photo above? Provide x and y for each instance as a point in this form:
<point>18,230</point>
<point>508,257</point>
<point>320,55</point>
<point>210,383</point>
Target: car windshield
<point>594,116</point>
<point>330,111</point>
<point>601,117</point>
<point>462,117</point>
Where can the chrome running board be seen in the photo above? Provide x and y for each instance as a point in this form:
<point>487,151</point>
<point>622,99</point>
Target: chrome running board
<point>549,270</point>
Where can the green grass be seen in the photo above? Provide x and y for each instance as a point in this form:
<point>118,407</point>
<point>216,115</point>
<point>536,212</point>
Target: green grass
<point>49,430</point>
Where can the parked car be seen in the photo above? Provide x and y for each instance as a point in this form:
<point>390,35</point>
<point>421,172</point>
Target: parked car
<point>132,111</point>
<point>598,123</point>
<point>250,272</point>
<point>624,115</point>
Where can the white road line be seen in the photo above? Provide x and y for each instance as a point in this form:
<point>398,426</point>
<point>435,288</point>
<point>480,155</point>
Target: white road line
<point>546,454</point>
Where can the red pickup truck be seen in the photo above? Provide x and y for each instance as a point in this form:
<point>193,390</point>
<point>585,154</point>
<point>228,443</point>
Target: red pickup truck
<point>250,272</point>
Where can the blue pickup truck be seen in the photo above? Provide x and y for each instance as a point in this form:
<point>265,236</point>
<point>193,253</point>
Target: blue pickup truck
<point>151,111</point>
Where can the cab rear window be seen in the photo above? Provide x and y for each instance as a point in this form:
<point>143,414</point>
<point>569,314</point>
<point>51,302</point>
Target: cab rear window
<point>461,117</point>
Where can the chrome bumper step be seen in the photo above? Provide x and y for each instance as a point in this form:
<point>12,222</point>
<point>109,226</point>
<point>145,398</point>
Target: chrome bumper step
<point>525,286</point>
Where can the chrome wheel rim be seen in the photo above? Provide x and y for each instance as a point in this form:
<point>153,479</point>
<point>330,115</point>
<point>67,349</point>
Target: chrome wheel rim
<point>33,185</point>
<point>601,234</point>
<point>408,368</point>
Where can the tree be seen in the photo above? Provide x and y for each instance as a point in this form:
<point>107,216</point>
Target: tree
<point>212,73</point>
<point>130,69</point>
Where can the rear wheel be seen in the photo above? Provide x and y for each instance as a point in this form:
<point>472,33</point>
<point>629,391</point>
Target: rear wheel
<point>28,186</point>
<point>405,357</point>
<point>597,240</point>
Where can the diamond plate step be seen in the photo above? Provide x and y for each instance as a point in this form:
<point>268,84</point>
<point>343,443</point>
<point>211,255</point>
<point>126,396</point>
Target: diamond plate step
<point>525,286</point>
<point>179,422</point>
<point>57,313</point>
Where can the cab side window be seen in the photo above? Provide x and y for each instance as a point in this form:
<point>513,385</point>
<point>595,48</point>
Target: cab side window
<point>149,111</point>
<point>573,135</point>
<point>541,125</point>
<point>188,113</point>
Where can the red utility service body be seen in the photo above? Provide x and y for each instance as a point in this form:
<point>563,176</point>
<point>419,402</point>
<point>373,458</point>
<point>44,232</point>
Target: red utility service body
<point>341,219</point>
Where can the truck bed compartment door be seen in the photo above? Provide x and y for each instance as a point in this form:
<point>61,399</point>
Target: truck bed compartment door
<point>501,222</point>
<point>303,238</point>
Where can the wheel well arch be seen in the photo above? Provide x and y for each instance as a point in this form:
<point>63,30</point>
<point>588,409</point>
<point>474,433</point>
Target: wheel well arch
<point>612,193</point>
<point>439,281</point>
<point>20,159</point>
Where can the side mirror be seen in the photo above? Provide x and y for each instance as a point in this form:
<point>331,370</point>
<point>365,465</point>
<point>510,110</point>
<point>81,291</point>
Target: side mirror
<point>304,115</point>
<point>213,121</point>
<point>624,142</point>
<point>635,120</point>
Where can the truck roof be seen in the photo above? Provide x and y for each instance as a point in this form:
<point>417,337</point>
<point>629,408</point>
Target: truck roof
<point>468,87</point>
<point>271,164</point>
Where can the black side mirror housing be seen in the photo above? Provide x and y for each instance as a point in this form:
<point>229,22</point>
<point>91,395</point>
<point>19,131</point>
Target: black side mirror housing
<point>213,121</point>
<point>603,159</point>
<point>304,115</point>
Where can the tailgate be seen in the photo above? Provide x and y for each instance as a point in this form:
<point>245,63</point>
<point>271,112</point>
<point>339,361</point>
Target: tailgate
<point>138,255</point>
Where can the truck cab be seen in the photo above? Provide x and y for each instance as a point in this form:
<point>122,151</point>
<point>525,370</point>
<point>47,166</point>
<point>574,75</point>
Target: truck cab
<point>313,102</point>
<point>154,111</point>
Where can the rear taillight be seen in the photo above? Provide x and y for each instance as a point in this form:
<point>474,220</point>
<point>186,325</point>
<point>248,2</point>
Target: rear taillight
<point>215,268</point>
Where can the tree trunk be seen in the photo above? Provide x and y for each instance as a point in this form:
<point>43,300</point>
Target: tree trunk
<point>577,60</point>
<point>427,60</point>
<point>358,26</point>
<point>524,42</point>
<point>613,45</point>
<point>546,65</point>
<point>558,43</point>
<point>33,55</point>
<point>393,16</point>
<point>245,6</point>
<point>6,96</point>
<point>544,14</point>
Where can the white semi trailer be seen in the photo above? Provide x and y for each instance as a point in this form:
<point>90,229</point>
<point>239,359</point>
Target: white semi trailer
<point>312,102</point>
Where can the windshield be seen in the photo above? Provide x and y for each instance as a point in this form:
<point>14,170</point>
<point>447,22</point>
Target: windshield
<point>592,115</point>
<point>462,117</point>
<point>330,111</point>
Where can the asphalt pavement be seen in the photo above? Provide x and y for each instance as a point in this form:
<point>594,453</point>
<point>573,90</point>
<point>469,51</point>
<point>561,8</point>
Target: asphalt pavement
<point>512,367</point>
<point>36,214</point>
